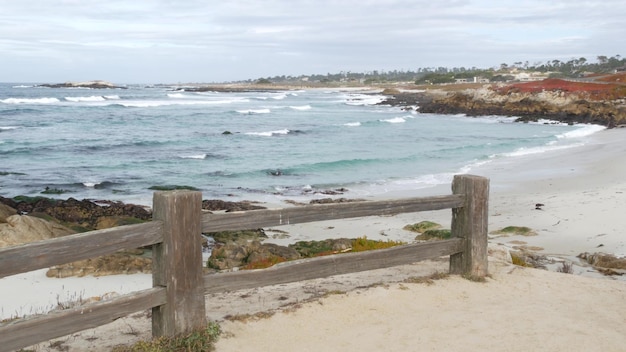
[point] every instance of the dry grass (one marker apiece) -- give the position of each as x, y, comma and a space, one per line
198, 340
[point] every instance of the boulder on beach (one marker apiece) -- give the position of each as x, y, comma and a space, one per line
20, 229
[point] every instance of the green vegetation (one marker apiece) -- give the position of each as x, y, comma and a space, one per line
363, 244
519, 260
515, 231
264, 263
422, 226
199, 340
308, 249
435, 234
263, 81
30, 200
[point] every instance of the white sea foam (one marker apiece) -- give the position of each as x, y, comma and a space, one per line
394, 120
583, 131
279, 97
363, 99
22, 86
352, 124
30, 101
90, 184
6, 128
93, 98
157, 103
112, 97
179, 96
268, 133
254, 111
541, 149
301, 108
197, 156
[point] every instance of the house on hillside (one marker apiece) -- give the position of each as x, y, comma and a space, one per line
530, 76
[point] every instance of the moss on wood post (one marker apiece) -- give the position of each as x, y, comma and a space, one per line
177, 263
470, 223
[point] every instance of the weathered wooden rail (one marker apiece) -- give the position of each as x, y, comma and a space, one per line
177, 298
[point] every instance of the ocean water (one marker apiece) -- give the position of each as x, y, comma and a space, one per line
116, 144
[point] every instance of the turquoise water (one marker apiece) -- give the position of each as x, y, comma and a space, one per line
116, 144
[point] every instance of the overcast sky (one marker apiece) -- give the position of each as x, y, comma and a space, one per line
169, 41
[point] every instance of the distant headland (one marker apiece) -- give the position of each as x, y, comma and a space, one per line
88, 84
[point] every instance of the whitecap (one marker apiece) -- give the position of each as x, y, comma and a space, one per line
197, 156
157, 103
6, 128
93, 98
268, 133
30, 101
178, 95
112, 97
394, 120
90, 184
279, 97
363, 99
301, 108
22, 86
352, 124
254, 111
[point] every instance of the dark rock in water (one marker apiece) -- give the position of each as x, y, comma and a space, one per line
172, 188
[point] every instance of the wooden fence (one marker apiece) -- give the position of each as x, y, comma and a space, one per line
177, 298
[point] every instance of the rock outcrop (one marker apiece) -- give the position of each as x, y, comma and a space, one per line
83, 215
88, 84
558, 100
18, 229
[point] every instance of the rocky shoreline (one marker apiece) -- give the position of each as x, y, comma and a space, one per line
552, 101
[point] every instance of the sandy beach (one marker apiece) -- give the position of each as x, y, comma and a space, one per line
583, 192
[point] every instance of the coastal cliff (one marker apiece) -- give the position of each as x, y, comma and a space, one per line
551, 99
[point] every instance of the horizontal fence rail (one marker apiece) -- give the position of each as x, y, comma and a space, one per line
337, 264
177, 297
321, 212
67, 249
30, 331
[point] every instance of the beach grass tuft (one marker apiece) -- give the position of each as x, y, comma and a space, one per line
361, 244
198, 340
428, 280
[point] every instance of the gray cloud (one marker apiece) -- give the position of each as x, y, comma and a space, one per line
204, 41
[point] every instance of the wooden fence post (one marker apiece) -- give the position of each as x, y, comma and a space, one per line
177, 263
470, 223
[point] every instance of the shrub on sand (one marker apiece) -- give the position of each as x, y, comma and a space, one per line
422, 226
435, 234
515, 231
